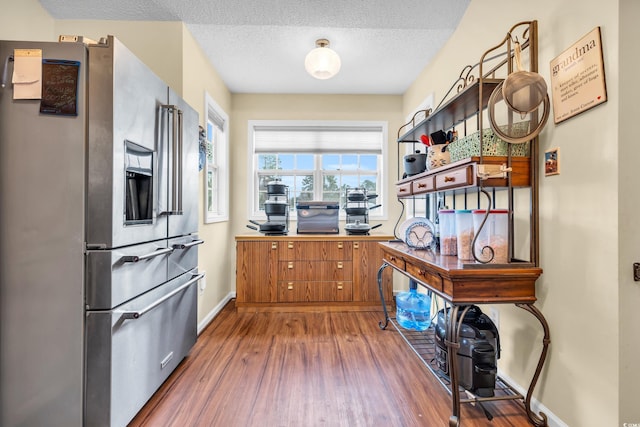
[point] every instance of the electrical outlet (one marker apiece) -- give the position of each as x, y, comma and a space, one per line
494, 314
203, 284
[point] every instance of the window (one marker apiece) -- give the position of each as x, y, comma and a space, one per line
317, 160
217, 159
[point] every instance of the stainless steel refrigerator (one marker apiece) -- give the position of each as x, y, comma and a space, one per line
98, 233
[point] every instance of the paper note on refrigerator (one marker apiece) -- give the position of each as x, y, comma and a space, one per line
27, 74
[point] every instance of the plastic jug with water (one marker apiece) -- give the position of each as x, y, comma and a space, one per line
413, 309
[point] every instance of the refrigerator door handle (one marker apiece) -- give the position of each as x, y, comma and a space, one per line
178, 164
188, 245
5, 70
136, 258
132, 315
176, 161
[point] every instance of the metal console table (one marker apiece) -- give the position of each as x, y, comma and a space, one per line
461, 287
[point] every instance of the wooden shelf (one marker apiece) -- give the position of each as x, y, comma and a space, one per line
464, 174
459, 108
449, 278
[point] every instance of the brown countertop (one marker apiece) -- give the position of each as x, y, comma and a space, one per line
314, 237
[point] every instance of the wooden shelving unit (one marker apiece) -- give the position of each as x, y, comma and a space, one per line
461, 284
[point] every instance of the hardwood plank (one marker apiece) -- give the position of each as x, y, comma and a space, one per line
307, 369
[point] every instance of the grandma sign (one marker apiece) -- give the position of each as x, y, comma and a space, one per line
577, 77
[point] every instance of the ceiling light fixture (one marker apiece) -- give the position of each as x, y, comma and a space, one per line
322, 62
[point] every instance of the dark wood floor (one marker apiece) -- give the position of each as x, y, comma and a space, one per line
329, 369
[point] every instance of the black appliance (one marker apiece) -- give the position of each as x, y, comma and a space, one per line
478, 354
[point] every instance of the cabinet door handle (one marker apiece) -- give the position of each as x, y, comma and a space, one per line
290, 245
449, 178
339, 286
339, 245
422, 272
274, 245
290, 286
290, 265
339, 265
356, 245
392, 258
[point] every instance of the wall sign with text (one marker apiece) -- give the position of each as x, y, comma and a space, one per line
577, 77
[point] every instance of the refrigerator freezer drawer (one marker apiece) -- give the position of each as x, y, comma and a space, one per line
132, 350
118, 275
184, 256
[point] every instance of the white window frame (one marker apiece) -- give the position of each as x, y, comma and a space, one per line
253, 210
220, 168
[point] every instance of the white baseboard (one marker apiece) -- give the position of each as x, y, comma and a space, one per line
214, 312
536, 406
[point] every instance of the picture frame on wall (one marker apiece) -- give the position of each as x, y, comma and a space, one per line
577, 77
552, 161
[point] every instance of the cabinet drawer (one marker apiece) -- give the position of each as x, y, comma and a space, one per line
455, 178
424, 275
403, 190
423, 185
315, 270
315, 291
394, 260
315, 251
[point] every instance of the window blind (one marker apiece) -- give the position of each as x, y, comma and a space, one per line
318, 139
215, 118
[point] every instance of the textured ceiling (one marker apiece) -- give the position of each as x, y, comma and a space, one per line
258, 46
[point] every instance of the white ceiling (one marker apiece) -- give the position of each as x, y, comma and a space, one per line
259, 46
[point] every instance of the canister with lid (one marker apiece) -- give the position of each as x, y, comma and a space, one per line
464, 234
448, 238
494, 234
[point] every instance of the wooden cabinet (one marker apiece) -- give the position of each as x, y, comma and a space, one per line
256, 266
366, 262
309, 272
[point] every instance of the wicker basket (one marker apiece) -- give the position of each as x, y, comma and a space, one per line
492, 145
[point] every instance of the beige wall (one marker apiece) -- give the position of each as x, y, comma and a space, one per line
628, 208
214, 258
157, 44
578, 291
308, 107
25, 20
